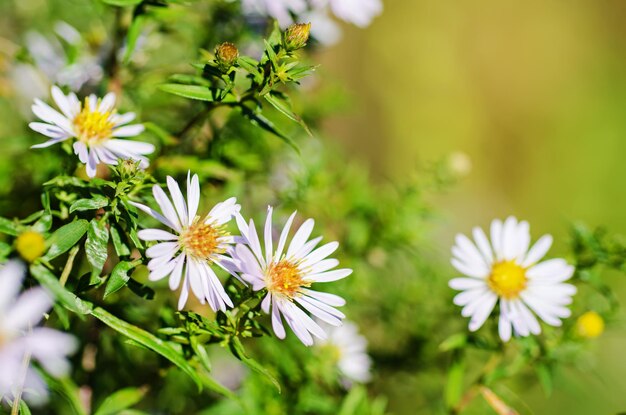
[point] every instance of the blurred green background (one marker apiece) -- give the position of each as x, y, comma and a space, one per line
534, 93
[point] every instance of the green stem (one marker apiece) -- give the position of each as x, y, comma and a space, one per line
68, 265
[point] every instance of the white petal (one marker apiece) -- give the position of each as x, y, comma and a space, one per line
156, 235
538, 251
320, 253
474, 272
179, 201
496, 238
465, 283
329, 276
63, 103
166, 206
162, 249
28, 310
156, 215
128, 130
550, 271
268, 236
193, 195
283, 236
509, 238
483, 311
177, 272
300, 238
483, 244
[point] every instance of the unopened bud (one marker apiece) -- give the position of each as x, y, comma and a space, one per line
296, 36
30, 245
226, 55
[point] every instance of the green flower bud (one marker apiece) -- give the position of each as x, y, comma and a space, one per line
296, 36
226, 55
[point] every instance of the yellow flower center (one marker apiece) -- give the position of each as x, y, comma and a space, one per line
285, 278
202, 240
30, 245
93, 126
590, 325
507, 279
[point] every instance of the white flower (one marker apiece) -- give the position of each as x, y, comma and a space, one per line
349, 349
508, 271
195, 244
357, 12
280, 10
288, 275
94, 124
21, 342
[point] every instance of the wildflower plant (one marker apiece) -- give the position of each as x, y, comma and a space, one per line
153, 238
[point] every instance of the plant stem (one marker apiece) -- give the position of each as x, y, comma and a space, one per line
68, 265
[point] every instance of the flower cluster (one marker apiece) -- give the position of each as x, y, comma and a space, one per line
287, 271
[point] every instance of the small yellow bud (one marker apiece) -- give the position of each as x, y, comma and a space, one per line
226, 55
30, 245
590, 325
296, 36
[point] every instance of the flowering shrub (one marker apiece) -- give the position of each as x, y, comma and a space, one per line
134, 276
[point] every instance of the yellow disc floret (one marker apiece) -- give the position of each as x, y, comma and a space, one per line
590, 325
93, 126
202, 240
507, 279
30, 245
285, 278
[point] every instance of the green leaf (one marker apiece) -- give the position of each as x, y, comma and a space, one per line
52, 284
134, 31
238, 350
122, 399
119, 277
5, 250
122, 3
121, 249
97, 202
64, 238
454, 384
96, 245
351, 403
186, 79
161, 347
43, 224
285, 108
456, 341
267, 125
201, 93
544, 374
24, 409
9, 227
201, 353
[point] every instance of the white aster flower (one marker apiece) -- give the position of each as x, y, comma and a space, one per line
349, 349
505, 269
195, 244
357, 12
95, 125
288, 275
281, 10
21, 342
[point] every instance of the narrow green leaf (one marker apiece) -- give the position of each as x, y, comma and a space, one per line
121, 249
96, 245
9, 227
24, 409
201, 353
134, 31
197, 92
161, 347
52, 284
454, 384
238, 350
64, 238
186, 79
97, 202
352, 401
122, 399
122, 3
43, 224
545, 378
285, 108
119, 277
267, 125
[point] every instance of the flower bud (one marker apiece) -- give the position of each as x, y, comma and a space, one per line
30, 245
590, 325
296, 36
226, 55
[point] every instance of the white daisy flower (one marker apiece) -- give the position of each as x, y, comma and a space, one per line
195, 244
288, 275
96, 127
349, 349
505, 269
21, 342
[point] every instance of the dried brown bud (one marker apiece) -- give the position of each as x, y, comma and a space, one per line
296, 36
226, 55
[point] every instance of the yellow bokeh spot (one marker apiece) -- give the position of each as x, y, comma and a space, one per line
30, 245
507, 279
590, 325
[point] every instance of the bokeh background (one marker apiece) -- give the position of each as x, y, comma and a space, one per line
527, 100
534, 93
